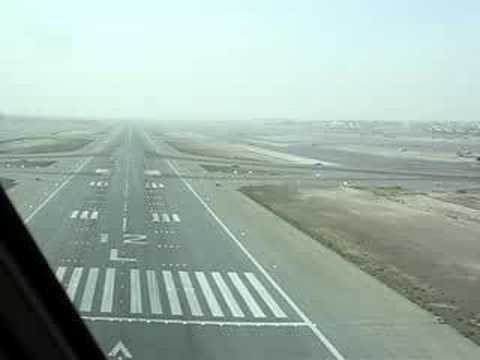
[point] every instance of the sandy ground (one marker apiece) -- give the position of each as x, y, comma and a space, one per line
426, 246
32, 145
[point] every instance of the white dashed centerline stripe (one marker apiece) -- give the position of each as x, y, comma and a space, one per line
227, 295
60, 273
89, 292
74, 214
165, 218
153, 293
154, 186
73, 283
209, 296
94, 215
175, 217
246, 296
155, 217
172, 295
313, 327
84, 215
260, 289
56, 191
190, 294
108, 289
135, 292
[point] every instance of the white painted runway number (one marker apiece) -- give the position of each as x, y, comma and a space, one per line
136, 239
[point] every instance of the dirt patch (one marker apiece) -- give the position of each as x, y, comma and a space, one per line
219, 151
236, 170
27, 164
44, 144
408, 241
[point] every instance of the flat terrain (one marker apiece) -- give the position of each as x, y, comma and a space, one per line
424, 247
165, 256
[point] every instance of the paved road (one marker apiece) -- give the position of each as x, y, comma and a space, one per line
171, 267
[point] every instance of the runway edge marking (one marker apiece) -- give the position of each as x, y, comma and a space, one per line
57, 190
324, 340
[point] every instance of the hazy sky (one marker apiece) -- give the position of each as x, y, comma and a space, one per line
342, 59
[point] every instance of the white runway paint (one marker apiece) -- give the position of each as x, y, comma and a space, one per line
247, 296
172, 294
124, 224
254, 324
212, 302
320, 336
175, 218
114, 257
89, 292
57, 190
165, 218
135, 292
260, 289
94, 215
153, 172
190, 294
108, 289
73, 283
103, 238
190, 290
84, 215
74, 214
155, 217
60, 273
153, 292
227, 295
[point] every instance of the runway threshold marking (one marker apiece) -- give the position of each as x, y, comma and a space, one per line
89, 292
196, 322
320, 336
246, 295
212, 302
227, 295
172, 294
192, 299
108, 289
